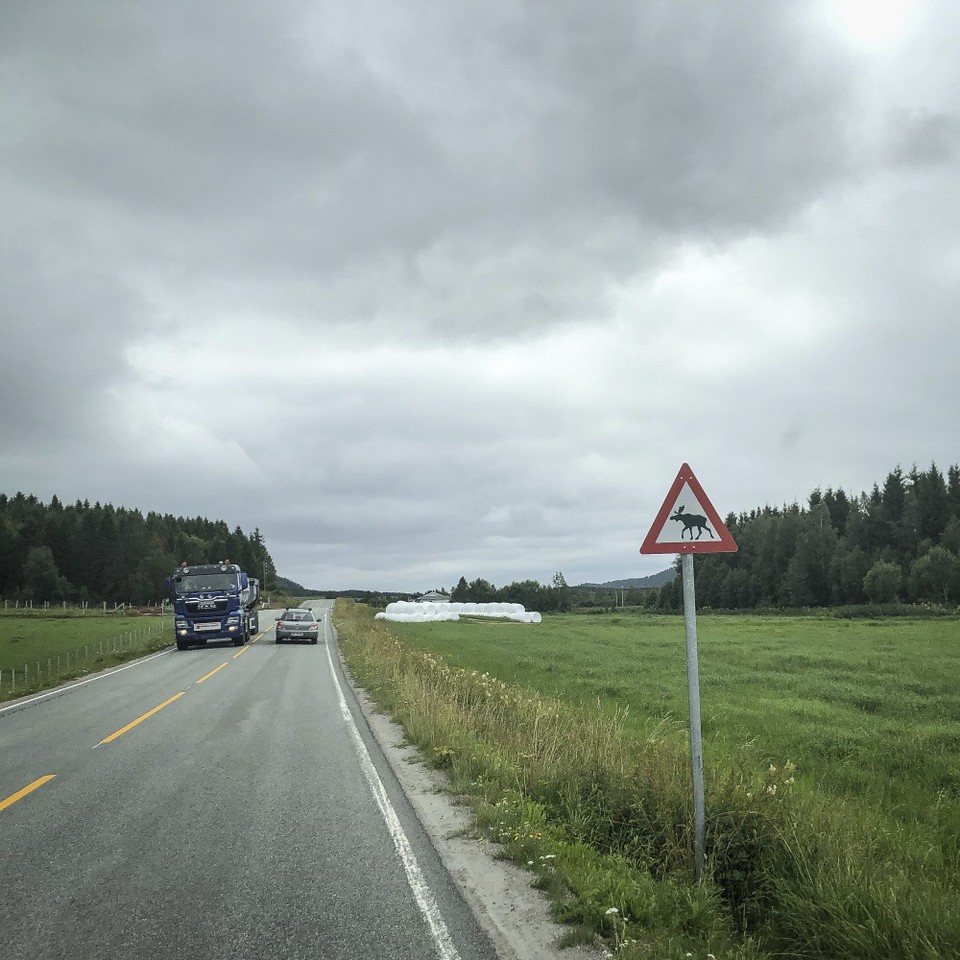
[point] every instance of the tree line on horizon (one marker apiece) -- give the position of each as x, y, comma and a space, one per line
533, 595
898, 543
101, 553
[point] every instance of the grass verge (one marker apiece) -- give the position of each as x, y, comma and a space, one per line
596, 804
42, 650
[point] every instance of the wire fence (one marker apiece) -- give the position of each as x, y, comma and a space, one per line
83, 606
70, 664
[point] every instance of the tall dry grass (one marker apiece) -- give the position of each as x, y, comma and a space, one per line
612, 812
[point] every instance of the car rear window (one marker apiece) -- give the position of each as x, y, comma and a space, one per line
298, 615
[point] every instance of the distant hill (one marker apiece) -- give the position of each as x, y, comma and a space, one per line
293, 589
655, 580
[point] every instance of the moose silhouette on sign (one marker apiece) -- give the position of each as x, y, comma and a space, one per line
691, 521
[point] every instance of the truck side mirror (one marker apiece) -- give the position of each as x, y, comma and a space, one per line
169, 590
244, 582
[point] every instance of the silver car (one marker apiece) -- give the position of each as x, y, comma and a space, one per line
298, 624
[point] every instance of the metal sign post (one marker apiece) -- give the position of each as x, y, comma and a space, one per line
685, 498
693, 696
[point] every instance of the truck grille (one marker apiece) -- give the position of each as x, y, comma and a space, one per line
207, 605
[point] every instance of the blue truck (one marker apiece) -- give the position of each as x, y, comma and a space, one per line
213, 601
250, 598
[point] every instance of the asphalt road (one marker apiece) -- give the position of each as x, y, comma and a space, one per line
250, 816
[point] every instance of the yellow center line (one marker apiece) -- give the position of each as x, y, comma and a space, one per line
131, 725
212, 672
20, 794
237, 654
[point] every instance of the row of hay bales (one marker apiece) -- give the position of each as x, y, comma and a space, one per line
406, 611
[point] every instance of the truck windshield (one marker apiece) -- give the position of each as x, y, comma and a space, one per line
206, 582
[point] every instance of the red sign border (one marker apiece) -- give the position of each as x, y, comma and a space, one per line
725, 542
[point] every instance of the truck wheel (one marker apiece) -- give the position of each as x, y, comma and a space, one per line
182, 644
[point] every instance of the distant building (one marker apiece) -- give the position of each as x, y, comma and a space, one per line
433, 596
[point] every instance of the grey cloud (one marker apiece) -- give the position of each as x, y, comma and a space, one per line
236, 127
222, 147
498, 268
64, 322
924, 138
721, 117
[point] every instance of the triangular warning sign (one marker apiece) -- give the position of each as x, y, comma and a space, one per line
687, 521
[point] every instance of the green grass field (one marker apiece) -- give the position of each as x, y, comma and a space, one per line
42, 649
867, 710
579, 723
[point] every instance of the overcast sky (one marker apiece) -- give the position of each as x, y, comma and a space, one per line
437, 288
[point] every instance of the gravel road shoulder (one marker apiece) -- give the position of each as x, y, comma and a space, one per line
515, 916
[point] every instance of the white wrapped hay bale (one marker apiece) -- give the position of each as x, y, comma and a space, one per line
416, 616
405, 611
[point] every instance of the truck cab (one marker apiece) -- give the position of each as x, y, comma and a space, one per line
209, 604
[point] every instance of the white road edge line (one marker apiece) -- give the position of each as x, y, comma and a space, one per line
415, 878
72, 686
